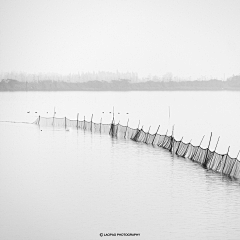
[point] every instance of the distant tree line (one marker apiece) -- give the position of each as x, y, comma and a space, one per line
79, 77
232, 83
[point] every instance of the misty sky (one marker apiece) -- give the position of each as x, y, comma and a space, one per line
186, 37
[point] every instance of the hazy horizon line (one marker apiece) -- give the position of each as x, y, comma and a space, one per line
105, 75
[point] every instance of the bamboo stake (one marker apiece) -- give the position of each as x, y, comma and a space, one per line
126, 129
77, 120
140, 133
238, 154
138, 124
53, 115
147, 135
201, 141
113, 112
137, 133
172, 130
164, 138
187, 148
206, 159
216, 144
225, 159
209, 162
198, 147
112, 125
209, 141
91, 122
179, 145
172, 141
234, 163
117, 129
155, 135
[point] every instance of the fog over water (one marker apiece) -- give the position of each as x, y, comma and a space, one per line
57, 184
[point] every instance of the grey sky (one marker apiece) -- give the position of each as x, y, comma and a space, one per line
185, 37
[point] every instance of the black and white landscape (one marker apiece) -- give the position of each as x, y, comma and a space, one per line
71, 72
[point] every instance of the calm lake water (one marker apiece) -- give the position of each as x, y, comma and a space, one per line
57, 184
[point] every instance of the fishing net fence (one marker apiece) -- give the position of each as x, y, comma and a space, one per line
210, 160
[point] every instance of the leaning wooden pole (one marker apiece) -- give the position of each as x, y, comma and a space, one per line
198, 148
206, 160
179, 145
238, 154
155, 135
209, 141
209, 162
201, 140
236, 159
216, 145
225, 160
134, 138
164, 137
186, 151
147, 135
140, 133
